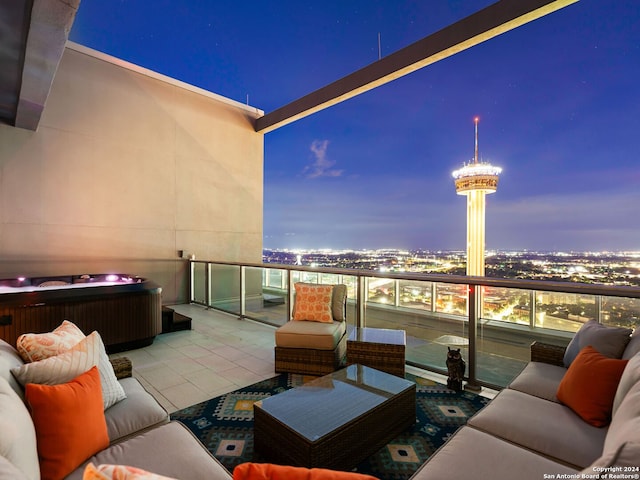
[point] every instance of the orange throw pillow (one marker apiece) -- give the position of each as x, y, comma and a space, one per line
268, 471
69, 421
313, 302
589, 386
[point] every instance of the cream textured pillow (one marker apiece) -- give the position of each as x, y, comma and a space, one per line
313, 302
62, 368
38, 346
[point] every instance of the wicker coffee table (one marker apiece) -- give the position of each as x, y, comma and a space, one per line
335, 421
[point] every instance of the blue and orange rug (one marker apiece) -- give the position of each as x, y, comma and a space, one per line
225, 425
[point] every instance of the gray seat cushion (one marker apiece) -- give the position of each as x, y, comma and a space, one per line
313, 335
539, 379
9, 358
17, 433
471, 453
170, 450
609, 341
138, 412
547, 427
8, 471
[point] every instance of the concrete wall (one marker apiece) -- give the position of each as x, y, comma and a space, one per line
126, 169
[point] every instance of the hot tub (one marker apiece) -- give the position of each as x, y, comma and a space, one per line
125, 310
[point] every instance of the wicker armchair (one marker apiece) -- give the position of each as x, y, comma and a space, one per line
314, 348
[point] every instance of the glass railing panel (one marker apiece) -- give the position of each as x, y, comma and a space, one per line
307, 277
620, 311
351, 281
507, 305
225, 287
381, 291
275, 278
564, 311
199, 287
428, 336
416, 294
267, 304
451, 299
329, 278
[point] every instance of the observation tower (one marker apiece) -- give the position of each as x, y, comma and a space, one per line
475, 180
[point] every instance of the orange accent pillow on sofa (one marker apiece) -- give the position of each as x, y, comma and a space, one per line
268, 471
69, 421
589, 386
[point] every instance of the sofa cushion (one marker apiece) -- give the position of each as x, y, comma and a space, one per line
471, 453
590, 384
8, 471
38, 346
625, 425
65, 366
69, 422
136, 413
10, 359
633, 347
609, 341
321, 336
626, 455
541, 426
187, 458
119, 472
539, 379
17, 433
630, 377
313, 302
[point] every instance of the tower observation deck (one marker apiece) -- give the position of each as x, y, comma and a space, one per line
475, 180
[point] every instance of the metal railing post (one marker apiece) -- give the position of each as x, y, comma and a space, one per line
207, 285
360, 301
474, 309
243, 292
289, 295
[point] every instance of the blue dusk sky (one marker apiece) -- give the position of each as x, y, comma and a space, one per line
558, 101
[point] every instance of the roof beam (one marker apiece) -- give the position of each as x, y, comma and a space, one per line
483, 25
51, 21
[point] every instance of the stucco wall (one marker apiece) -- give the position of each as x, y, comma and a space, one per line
124, 171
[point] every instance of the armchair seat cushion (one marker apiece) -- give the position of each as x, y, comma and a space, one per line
310, 335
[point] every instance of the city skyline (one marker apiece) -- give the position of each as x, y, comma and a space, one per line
556, 98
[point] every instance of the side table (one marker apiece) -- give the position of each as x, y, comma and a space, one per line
379, 348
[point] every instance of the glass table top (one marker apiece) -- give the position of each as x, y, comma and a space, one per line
325, 404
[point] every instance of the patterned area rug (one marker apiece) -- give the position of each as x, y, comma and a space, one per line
225, 425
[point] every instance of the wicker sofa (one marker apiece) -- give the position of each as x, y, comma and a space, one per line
525, 432
139, 431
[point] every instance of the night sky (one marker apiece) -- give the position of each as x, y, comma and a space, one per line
558, 101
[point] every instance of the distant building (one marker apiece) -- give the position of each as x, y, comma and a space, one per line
475, 180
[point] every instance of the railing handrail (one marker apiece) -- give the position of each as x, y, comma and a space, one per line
517, 283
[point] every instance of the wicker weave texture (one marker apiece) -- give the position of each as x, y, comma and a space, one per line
385, 357
344, 447
547, 353
121, 367
308, 361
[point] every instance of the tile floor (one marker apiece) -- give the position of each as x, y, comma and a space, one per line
219, 354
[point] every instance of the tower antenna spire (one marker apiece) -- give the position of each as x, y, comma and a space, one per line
475, 157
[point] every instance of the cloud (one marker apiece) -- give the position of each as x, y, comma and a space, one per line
321, 166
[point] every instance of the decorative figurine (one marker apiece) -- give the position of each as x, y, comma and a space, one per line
456, 368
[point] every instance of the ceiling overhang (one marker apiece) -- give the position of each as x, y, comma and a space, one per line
483, 25
36, 32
